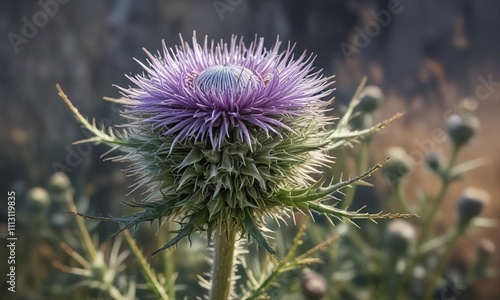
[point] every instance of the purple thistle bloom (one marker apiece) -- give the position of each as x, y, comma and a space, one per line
206, 91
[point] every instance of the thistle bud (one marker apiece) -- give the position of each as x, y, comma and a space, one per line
59, 183
34, 212
37, 200
361, 122
370, 98
400, 236
435, 162
313, 285
461, 128
398, 167
470, 205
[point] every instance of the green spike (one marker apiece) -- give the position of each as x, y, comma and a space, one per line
187, 230
194, 156
254, 232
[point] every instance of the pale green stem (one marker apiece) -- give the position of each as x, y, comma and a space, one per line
436, 205
266, 282
223, 263
401, 197
443, 262
168, 262
392, 276
157, 288
430, 218
435, 243
87, 240
362, 166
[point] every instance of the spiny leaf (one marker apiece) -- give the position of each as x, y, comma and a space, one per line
313, 193
187, 230
100, 135
254, 232
343, 137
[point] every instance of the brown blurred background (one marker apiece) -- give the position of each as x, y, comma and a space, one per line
426, 55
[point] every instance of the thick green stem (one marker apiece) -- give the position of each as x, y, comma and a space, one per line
82, 227
146, 269
436, 205
168, 262
441, 267
393, 277
361, 167
401, 197
430, 219
223, 263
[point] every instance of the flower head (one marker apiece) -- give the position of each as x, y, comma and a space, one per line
400, 236
222, 135
462, 127
215, 93
371, 98
399, 167
470, 204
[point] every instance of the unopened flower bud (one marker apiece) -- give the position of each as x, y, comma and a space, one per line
370, 98
400, 235
34, 212
313, 285
37, 200
435, 162
398, 167
471, 204
59, 183
461, 128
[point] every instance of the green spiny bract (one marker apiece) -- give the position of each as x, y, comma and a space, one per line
203, 186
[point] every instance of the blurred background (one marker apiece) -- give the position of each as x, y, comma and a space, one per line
426, 55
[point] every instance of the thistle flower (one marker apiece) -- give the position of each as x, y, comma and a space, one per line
461, 128
470, 204
59, 183
35, 209
371, 98
222, 135
37, 200
435, 162
400, 237
398, 167
59, 187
